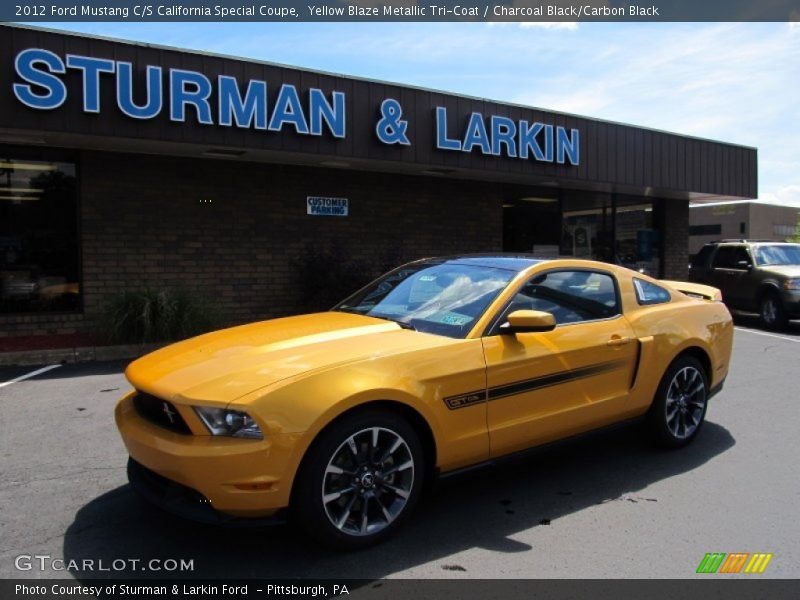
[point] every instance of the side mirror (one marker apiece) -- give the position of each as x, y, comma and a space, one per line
744, 264
528, 321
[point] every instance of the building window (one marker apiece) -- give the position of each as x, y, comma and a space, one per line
784, 231
742, 227
38, 236
705, 229
612, 228
637, 240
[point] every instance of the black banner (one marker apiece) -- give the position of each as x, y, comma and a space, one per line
431, 589
33, 11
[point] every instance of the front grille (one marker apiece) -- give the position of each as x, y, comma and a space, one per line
161, 412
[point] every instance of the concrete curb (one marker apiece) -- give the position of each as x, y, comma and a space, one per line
76, 355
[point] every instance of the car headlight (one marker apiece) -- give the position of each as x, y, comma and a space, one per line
791, 284
234, 423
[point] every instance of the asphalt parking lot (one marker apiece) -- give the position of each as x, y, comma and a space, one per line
608, 505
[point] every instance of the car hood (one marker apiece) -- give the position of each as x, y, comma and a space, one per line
225, 365
782, 270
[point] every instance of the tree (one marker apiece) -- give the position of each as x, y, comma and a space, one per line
796, 236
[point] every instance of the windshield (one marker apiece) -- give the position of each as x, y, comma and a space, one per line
785, 254
444, 299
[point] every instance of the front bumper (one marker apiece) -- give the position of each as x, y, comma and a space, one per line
791, 303
231, 476
185, 502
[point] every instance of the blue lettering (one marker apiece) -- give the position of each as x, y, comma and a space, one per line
125, 92
527, 140
476, 135
252, 109
91, 67
180, 95
334, 116
288, 110
548, 143
503, 132
442, 141
569, 145
55, 91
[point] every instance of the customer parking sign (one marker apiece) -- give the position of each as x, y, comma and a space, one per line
326, 207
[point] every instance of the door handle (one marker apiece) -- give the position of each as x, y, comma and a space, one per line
618, 341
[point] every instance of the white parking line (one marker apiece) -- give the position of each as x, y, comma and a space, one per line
772, 335
29, 375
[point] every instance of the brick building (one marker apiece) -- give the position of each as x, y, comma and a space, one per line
124, 165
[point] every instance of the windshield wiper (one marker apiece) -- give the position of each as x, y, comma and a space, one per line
402, 324
347, 309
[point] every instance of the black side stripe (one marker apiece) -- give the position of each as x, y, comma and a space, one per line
527, 385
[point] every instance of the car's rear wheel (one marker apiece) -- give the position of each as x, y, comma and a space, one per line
361, 478
679, 408
773, 315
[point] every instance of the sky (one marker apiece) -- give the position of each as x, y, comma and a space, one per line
735, 82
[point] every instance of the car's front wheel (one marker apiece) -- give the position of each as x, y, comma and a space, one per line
773, 315
361, 478
679, 408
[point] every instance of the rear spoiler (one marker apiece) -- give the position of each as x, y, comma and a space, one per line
696, 290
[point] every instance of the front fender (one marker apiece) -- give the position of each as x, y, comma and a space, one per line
420, 380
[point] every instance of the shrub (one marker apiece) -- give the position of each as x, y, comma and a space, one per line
157, 315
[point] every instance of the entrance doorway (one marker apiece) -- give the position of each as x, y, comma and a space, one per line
614, 228
531, 225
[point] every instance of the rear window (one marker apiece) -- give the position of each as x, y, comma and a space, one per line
650, 293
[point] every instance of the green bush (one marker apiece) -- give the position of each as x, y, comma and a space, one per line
157, 315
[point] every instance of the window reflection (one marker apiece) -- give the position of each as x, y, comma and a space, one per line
38, 236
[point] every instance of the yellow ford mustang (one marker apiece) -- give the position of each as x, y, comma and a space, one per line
341, 417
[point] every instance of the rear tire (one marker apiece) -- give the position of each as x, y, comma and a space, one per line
772, 312
679, 407
359, 480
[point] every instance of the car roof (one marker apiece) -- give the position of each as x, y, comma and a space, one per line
507, 261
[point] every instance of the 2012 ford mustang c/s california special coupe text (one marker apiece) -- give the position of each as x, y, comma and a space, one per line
339, 418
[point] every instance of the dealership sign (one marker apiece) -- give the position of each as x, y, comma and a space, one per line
327, 207
185, 95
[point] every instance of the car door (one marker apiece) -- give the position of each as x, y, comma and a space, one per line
729, 274
543, 386
700, 265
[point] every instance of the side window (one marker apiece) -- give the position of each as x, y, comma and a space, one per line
650, 293
741, 255
570, 296
724, 257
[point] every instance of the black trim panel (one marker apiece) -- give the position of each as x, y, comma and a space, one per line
637, 365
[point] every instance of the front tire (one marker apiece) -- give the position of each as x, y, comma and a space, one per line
772, 312
679, 408
360, 479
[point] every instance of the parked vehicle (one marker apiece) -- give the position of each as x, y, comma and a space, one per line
340, 418
756, 276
